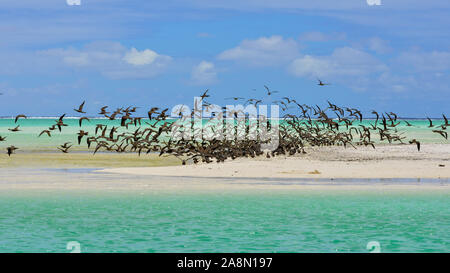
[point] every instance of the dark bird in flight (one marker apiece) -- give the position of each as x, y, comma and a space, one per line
103, 110
99, 127
60, 122
431, 122
45, 132
80, 108
407, 123
81, 134
64, 148
10, 150
61, 117
65, 145
204, 95
446, 121
444, 134
83, 118
2, 138
414, 141
152, 111
15, 129
268, 91
234, 98
19, 116
322, 83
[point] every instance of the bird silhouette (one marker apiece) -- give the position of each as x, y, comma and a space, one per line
19, 116
10, 150
414, 141
80, 108
16, 129
45, 132
322, 83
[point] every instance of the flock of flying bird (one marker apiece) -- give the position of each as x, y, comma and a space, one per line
311, 126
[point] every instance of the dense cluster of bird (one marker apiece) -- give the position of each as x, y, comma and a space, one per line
301, 126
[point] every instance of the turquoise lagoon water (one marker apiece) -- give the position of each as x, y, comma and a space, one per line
216, 221
28, 139
248, 221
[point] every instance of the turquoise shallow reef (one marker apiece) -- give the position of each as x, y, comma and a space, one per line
27, 139
36, 220
275, 221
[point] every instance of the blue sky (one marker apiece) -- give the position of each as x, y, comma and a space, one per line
392, 57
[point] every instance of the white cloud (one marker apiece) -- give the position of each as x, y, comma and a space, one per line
144, 57
81, 59
317, 36
345, 61
410, 72
378, 45
264, 51
434, 61
204, 73
110, 59
397, 83
311, 66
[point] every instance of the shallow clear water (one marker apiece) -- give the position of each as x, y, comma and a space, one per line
228, 221
249, 221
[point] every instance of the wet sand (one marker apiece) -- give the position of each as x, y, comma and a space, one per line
41, 181
399, 167
83, 160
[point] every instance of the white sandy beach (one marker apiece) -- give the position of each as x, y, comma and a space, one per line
350, 167
396, 161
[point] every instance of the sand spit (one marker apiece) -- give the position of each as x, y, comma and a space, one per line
396, 161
